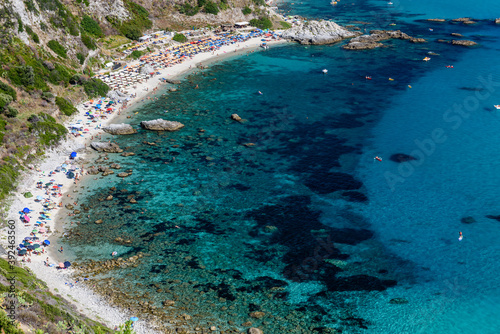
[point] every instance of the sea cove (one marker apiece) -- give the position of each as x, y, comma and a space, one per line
283, 220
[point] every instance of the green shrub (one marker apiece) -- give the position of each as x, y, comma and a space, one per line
285, 25
260, 2
35, 37
6, 324
130, 31
47, 96
43, 26
95, 88
6, 89
80, 57
136, 54
189, 10
48, 131
180, 38
10, 112
22, 75
211, 7
65, 106
20, 27
75, 80
88, 42
57, 48
91, 26
246, 10
262, 23
5, 100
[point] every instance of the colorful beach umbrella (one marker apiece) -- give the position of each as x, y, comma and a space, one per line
46, 242
67, 264
134, 319
22, 252
27, 218
26, 210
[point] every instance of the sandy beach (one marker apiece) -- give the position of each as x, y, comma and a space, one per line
61, 281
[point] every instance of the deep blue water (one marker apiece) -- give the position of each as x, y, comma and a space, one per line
305, 225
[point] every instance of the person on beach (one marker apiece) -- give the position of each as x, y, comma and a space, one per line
61, 249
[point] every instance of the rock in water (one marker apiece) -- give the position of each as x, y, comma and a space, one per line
318, 32
401, 157
254, 330
497, 21
366, 42
161, 125
106, 147
236, 117
173, 81
119, 129
463, 42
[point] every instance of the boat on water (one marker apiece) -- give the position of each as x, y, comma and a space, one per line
325, 71
497, 106
263, 45
426, 59
333, 3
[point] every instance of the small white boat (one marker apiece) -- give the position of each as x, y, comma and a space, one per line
390, 3
497, 106
325, 71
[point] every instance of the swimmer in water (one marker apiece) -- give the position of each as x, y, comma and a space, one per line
260, 92
460, 236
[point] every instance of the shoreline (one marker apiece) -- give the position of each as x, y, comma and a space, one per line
61, 281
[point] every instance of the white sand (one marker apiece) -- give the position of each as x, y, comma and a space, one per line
59, 281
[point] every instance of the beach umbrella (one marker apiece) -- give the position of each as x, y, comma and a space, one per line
36, 246
28, 195
73, 155
42, 230
30, 247
26, 244
22, 252
35, 231
67, 264
134, 319
27, 218
35, 238
46, 242
26, 210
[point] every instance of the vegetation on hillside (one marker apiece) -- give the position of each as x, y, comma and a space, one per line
40, 310
262, 23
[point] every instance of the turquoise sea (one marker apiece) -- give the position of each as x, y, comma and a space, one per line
303, 224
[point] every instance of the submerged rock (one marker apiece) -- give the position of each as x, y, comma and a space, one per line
106, 147
127, 154
162, 125
119, 129
401, 157
398, 301
318, 32
436, 20
467, 220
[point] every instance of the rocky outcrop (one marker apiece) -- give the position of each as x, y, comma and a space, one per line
461, 19
371, 41
237, 118
162, 125
318, 32
436, 20
456, 34
418, 40
173, 81
106, 147
254, 330
463, 42
116, 95
497, 21
147, 69
119, 129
